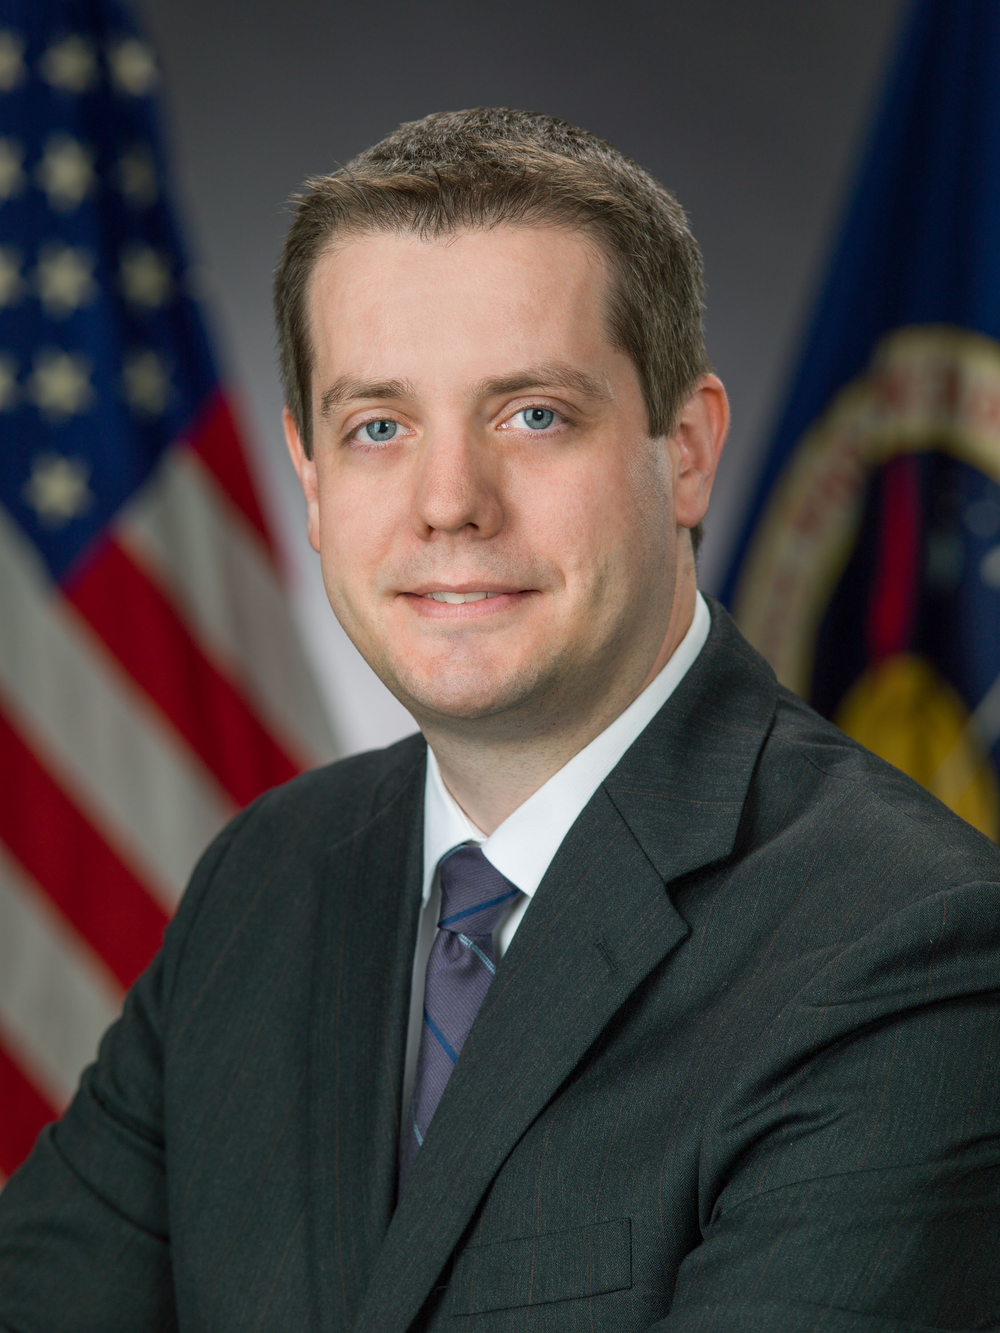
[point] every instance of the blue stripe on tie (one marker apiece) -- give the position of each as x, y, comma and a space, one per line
470, 944
443, 1041
479, 907
416, 1130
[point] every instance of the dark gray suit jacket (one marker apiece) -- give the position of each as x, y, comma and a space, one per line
739, 1069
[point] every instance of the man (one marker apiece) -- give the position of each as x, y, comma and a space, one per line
631, 995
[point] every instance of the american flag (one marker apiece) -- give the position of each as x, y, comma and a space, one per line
150, 684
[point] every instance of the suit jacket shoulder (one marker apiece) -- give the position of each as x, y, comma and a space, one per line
868, 803
334, 802
195, 1126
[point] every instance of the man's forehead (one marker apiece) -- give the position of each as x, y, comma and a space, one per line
378, 261
520, 306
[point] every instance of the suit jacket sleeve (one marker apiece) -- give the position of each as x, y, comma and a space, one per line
83, 1224
852, 1180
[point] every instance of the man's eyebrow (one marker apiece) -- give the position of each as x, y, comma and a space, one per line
556, 375
348, 389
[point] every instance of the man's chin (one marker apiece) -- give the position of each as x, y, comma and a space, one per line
466, 697
460, 705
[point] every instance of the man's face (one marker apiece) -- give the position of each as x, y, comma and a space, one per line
498, 532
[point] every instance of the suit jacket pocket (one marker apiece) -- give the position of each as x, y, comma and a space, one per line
533, 1270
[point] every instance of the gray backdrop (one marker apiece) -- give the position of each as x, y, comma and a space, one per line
752, 111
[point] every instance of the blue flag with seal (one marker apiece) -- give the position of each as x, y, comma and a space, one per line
868, 571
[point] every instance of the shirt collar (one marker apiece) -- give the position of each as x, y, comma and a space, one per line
522, 847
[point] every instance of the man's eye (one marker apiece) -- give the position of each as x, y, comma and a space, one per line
535, 418
378, 431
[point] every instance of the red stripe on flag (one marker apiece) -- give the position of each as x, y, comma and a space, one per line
897, 575
83, 876
215, 440
148, 637
24, 1112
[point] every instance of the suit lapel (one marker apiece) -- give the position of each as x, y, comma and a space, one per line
571, 965
369, 906
683, 785
600, 921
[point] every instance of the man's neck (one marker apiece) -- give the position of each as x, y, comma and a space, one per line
490, 777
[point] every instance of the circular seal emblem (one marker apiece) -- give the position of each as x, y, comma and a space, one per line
872, 585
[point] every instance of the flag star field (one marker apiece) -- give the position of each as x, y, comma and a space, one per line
92, 280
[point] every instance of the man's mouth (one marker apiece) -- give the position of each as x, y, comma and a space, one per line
456, 597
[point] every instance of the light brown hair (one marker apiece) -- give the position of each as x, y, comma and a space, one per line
475, 169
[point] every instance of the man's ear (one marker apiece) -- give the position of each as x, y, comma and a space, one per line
698, 438
305, 469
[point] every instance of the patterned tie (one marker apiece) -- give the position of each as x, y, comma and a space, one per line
474, 898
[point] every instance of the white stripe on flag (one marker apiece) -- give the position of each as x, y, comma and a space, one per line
123, 765
188, 536
56, 1000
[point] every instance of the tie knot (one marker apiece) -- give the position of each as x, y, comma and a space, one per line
474, 894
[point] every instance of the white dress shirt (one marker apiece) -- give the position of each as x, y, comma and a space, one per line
522, 847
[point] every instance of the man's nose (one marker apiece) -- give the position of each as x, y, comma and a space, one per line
457, 485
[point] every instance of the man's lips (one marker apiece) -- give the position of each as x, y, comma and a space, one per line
465, 600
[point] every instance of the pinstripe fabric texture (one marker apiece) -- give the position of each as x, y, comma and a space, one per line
738, 1071
475, 897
